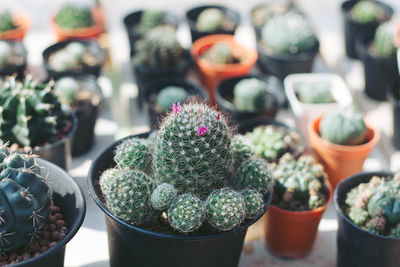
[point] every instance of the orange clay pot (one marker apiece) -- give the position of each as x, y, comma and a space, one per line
86, 33
211, 73
340, 161
291, 234
23, 20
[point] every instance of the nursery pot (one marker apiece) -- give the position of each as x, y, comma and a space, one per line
356, 246
192, 14
131, 245
340, 161
17, 69
23, 22
394, 98
354, 31
93, 69
291, 234
225, 99
283, 65
211, 73
69, 197
153, 89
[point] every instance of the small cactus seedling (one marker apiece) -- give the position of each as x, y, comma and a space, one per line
170, 95
384, 40
253, 201
162, 196
314, 92
242, 148
366, 11
107, 177
251, 95
220, 53
72, 16
149, 19
6, 21
67, 90
134, 153
254, 173
210, 20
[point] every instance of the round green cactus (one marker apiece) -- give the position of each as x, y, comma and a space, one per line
241, 147
170, 95
251, 95
6, 21
384, 40
192, 150
225, 209
67, 90
314, 92
288, 33
134, 153
366, 11
220, 53
72, 16
254, 173
107, 177
162, 196
253, 201
344, 126
186, 213
210, 20
149, 19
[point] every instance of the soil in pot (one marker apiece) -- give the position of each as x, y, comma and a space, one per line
394, 98
12, 58
212, 19
14, 26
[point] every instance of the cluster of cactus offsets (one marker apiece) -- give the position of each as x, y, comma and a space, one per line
73, 16
31, 114
6, 21
25, 200
384, 40
289, 33
170, 95
67, 90
134, 153
366, 11
253, 201
210, 19
220, 53
162, 196
159, 48
149, 19
375, 206
254, 173
251, 95
299, 184
242, 149
314, 92
344, 126
107, 178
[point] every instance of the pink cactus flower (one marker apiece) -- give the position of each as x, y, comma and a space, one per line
202, 130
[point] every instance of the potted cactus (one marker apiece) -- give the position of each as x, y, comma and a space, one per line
343, 141
191, 189
12, 58
13, 25
73, 57
212, 19
32, 119
288, 45
360, 20
84, 96
301, 196
367, 206
250, 96
77, 21
37, 218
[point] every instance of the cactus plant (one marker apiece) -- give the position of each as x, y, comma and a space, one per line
210, 20
162, 196
225, 209
299, 184
383, 44
186, 213
134, 153
107, 177
374, 205
344, 126
251, 95
170, 95
254, 173
149, 19
366, 11
242, 148
253, 201
11, 54
67, 90
73, 16
6, 21
262, 14
317, 92
31, 114
220, 53
288, 33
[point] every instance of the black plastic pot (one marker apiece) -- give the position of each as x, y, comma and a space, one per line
354, 31
93, 70
130, 245
69, 197
282, 65
224, 98
17, 69
394, 98
132, 19
192, 14
356, 246
153, 88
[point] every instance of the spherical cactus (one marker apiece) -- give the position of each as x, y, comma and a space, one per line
162, 196
128, 197
220, 53
251, 95
67, 90
134, 153
76, 51
315, 92
107, 177
366, 11
149, 19
210, 19
253, 173
186, 213
384, 40
225, 209
253, 201
241, 147
170, 95
192, 150
344, 126
289, 33
62, 61
73, 16
6, 21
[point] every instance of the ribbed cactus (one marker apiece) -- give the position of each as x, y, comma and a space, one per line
253, 201
251, 95
225, 209
66, 89
299, 184
107, 177
162, 196
317, 92
254, 173
384, 40
6, 21
149, 19
288, 33
74, 16
343, 126
375, 206
186, 213
210, 20
31, 114
170, 95
220, 53
134, 153
366, 11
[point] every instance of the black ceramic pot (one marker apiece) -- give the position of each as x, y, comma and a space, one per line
192, 14
131, 245
394, 98
354, 31
17, 69
224, 98
356, 246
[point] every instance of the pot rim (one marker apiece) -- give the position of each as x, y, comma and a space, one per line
24, 22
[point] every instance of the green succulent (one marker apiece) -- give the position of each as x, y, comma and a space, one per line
67, 90
384, 40
251, 95
108, 177
220, 53
170, 95
366, 11
254, 173
210, 20
314, 92
253, 201
73, 16
6, 21
149, 19
135, 154
163, 196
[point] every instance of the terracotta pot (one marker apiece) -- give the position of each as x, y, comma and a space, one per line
211, 73
23, 20
291, 234
87, 33
340, 161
